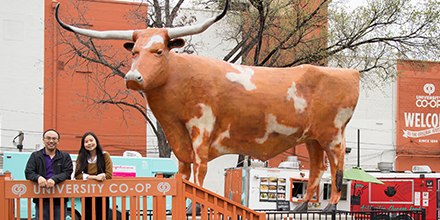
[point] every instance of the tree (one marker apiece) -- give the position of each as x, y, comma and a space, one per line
109, 64
291, 33
279, 33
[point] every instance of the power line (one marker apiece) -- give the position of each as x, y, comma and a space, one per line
66, 116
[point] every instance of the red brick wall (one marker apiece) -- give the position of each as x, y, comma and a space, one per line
63, 110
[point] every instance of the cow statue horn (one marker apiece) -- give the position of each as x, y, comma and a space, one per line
185, 31
128, 35
116, 35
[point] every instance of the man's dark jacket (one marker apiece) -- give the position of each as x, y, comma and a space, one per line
36, 167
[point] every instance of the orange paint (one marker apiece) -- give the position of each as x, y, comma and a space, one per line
195, 132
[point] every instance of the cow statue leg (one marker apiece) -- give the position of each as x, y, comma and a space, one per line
317, 168
181, 146
185, 170
200, 128
200, 163
200, 170
336, 160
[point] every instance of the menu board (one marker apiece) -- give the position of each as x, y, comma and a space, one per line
272, 189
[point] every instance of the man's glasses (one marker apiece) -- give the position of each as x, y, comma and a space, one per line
51, 138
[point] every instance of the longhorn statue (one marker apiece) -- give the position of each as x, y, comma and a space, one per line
208, 107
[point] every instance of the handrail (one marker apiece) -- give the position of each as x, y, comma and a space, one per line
215, 205
138, 195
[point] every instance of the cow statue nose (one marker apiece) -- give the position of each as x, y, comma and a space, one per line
134, 75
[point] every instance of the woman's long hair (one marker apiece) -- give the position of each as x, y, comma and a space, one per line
84, 154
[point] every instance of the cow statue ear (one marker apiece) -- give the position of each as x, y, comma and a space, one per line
176, 43
129, 46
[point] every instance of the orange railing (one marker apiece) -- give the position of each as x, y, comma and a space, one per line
133, 194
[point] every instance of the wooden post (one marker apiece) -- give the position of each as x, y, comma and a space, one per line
3, 201
159, 207
262, 216
178, 203
10, 202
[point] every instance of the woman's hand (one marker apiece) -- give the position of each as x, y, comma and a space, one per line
97, 177
100, 178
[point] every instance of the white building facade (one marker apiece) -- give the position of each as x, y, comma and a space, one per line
21, 80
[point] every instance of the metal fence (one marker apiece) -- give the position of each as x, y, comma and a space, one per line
334, 215
346, 215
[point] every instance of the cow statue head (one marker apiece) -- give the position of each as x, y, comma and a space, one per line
151, 46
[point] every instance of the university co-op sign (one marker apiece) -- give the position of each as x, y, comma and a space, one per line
426, 117
424, 101
71, 188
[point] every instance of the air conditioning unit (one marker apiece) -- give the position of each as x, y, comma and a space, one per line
291, 163
421, 169
131, 154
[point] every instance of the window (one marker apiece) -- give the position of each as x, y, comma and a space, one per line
299, 190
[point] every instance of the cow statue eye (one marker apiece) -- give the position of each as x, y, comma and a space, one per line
159, 52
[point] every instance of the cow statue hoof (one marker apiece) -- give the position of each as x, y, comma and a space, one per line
330, 207
302, 207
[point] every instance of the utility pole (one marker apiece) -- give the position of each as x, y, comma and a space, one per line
359, 148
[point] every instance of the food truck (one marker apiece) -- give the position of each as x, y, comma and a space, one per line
408, 190
283, 188
123, 166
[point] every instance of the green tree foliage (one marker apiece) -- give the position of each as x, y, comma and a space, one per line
370, 37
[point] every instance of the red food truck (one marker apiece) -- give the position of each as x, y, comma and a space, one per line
409, 190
